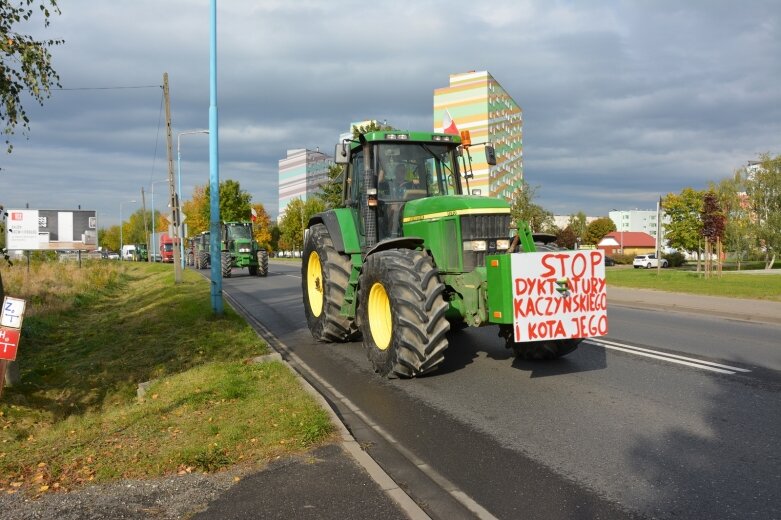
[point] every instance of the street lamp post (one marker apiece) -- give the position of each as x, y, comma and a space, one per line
152, 249
179, 185
121, 243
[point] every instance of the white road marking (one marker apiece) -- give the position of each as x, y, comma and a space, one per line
670, 358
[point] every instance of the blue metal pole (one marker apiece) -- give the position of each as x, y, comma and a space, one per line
152, 252
179, 196
214, 170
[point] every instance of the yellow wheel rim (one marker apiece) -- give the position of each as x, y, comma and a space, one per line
380, 319
314, 284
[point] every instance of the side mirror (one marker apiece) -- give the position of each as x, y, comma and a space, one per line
342, 153
490, 155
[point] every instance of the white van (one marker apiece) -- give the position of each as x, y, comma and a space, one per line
128, 252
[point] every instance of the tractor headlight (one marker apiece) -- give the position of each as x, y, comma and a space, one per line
502, 245
244, 250
475, 245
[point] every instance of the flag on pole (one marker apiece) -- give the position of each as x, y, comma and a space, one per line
448, 125
254, 214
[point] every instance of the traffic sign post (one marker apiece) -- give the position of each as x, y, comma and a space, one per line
11, 315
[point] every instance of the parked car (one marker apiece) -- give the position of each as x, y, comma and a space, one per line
609, 261
648, 261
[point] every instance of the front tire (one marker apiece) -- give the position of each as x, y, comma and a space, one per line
225, 259
402, 313
262, 262
205, 258
325, 274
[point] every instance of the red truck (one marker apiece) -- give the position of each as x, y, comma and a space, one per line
166, 248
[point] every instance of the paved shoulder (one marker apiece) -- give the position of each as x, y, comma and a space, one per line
323, 484
760, 311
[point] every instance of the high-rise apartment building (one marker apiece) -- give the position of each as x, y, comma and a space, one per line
301, 174
477, 102
636, 220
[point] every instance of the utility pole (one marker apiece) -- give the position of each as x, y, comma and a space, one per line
146, 229
171, 186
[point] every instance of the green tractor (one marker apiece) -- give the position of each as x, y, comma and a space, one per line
410, 257
140, 253
201, 258
239, 249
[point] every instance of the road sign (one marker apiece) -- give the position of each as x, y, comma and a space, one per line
12, 313
9, 343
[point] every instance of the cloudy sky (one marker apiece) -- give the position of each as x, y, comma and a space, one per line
622, 101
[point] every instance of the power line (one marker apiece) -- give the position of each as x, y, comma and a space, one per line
110, 88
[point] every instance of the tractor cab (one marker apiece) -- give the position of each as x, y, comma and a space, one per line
385, 170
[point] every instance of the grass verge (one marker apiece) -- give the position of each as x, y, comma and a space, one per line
730, 284
92, 334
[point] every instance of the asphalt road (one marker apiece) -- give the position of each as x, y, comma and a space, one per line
671, 416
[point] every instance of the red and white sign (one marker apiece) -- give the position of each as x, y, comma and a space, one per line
9, 343
559, 295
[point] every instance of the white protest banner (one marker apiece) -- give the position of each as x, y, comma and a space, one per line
559, 295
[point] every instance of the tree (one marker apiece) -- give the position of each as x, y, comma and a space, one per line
108, 238
331, 191
578, 224
763, 187
738, 231
291, 227
712, 228
261, 227
373, 126
26, 66
234, 203
567, 237
597, 230
683, 232
523, 208
197, 211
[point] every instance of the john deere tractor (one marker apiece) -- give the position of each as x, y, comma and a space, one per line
239, 249
410, 256
201, 245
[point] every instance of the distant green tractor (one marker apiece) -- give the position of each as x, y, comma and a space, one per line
239, 249
140, 253
202, 260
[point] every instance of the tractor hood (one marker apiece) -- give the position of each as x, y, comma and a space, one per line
452, 205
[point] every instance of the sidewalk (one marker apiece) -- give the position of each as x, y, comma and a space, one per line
759, 311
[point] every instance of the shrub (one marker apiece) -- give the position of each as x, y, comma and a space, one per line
675, 259
622, 259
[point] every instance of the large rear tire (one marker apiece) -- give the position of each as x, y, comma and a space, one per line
262, 262
225, 260
402, 313
325, 274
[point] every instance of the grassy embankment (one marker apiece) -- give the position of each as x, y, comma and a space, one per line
731, 284
91, 335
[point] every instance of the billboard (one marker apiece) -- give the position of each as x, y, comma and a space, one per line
52, 229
